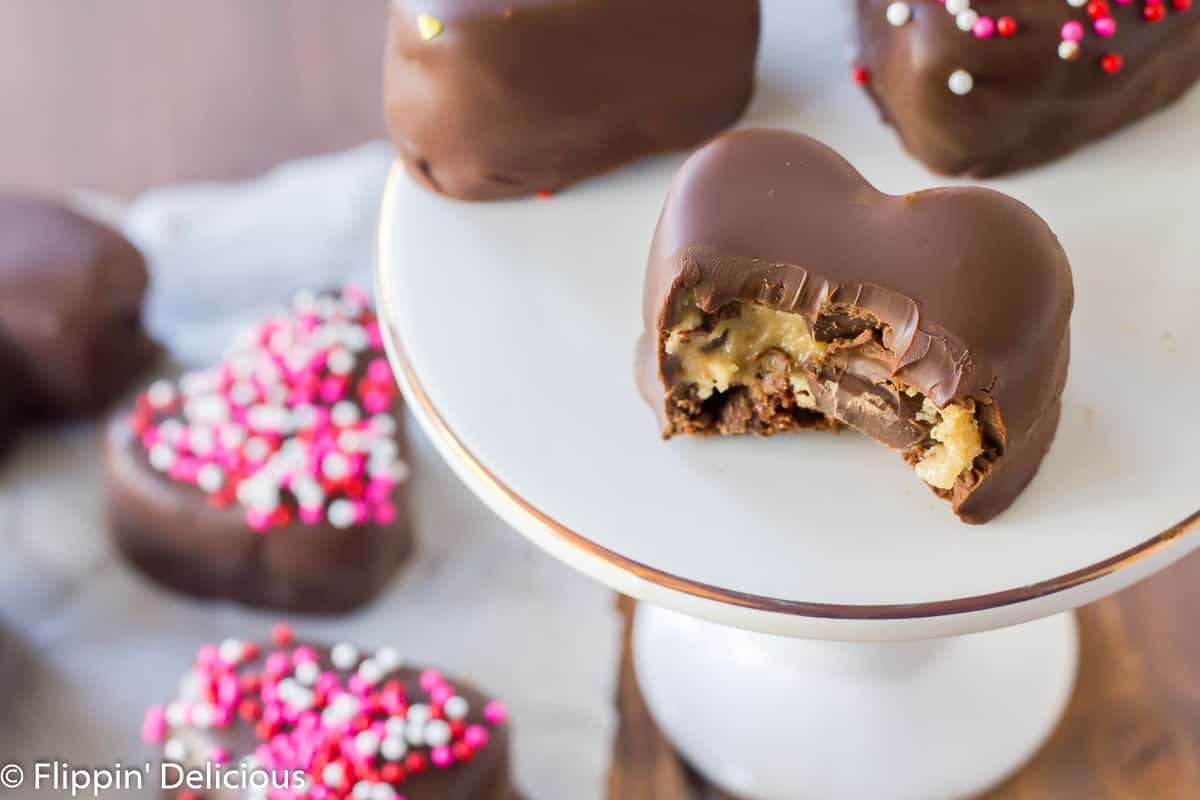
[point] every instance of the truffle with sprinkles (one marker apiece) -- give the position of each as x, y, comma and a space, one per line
1006, 84
290, 720
277, 477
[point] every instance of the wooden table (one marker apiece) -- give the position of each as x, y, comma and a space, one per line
121, 95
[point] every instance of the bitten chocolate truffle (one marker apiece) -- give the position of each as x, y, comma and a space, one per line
70, 309
276, 478
300, 720
498, 98
784, 293
983, 88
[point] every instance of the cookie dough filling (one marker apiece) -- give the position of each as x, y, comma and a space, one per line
752, 369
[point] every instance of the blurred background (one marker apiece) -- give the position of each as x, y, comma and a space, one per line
122, 95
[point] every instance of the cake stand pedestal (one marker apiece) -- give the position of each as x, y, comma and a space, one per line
806, 636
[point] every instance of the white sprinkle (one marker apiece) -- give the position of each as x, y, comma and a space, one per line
383, 791
395, 727
172, 430
419, 713
1077, 3
394, 748
1068, 50
344, 656
335, 466
304, 416
366, 743
344, 414
355, 338
341, 513
206, 409
414, 732
308, 492
175, 750
210, 478
340, 361
176, 714
388, 658
202, 715
304, 301
271, 418
383, 424
899, 14
199, 382
456, 707
256, 448
232, 436
961, 82
956, 7
162, 456
231, 651
437, 733
201, 439
307, 672
243, 393
333, 775
362, 791
370, 672
965, 20
161, 393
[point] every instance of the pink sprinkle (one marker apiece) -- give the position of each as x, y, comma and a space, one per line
151, 437
332, 390
495, 712
1072, 32
218, 755
208, 655
385, 514
375, 401
431, 679
984, 27
441, 757
373, 336
355, 295
259, 521
311, 515
438, 695
378, 490
154, 725
277, 664
379, 371
302, 654
222, 717
1106, 26
476, 736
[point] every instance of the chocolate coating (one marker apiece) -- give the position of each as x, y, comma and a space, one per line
172, 534
512, 98
488, 776
70, 308
1028, 105
969, 291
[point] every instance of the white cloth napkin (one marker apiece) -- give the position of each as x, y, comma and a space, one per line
98, 643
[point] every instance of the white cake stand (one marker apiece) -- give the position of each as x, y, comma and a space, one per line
801, 637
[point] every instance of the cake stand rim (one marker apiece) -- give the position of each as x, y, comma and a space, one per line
934, 609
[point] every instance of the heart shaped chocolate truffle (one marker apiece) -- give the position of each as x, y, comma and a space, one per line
499, 98
275, 478
983, 88
785, 293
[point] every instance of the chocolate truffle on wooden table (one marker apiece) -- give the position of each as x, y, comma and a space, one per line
276, 478
498, 98
784, 293
983, 87
290, 720
70, 309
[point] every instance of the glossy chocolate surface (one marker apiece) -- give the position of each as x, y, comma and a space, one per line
70, 309
488, 99
970, 291
1028, 105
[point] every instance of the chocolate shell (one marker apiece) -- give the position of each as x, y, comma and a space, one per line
365, 703
958, 298
70, 308
277, 479
1041, 82
498, 98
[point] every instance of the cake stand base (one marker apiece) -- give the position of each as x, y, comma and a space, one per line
772, 718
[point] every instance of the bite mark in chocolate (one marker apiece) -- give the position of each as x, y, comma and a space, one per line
784, 293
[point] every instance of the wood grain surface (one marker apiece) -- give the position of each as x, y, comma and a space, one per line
121, 95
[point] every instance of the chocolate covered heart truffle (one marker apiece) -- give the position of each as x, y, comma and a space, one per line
70, 312
499, 98
276, 478
784, 293
981, 87
291, 720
